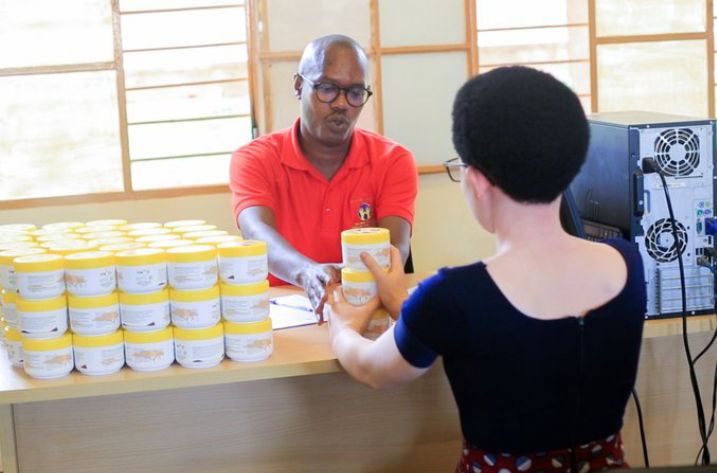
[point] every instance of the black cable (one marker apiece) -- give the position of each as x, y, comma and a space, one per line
690, 362
642, 428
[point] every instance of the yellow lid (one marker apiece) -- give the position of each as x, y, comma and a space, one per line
186, 254
244, 289
21, 227
90, 341
148, 231
139, 226
147, 298
117, 247
92, 302
40, 305
8, 297
351, 275
10, 237
198, 333
7, 256
170, 243
12, 334
242, 248
149, 337
67, 247
247, 328
39, 262
216, 240
89, 259
194, 228
206, 233
11, 245
47, 344
140, 256
104, 235
184, 223
95, 229
113, 222
47, 237
365, 236
158, 237
193, 295
61, 226
100, 242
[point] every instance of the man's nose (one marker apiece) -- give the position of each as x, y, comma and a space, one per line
340, 101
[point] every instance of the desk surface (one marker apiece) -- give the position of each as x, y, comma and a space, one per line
297, 352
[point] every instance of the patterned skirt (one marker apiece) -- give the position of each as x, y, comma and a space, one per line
600, 455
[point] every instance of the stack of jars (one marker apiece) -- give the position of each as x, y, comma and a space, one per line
358, 282
243, 269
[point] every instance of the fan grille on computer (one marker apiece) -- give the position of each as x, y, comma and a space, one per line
677, 151
660, 240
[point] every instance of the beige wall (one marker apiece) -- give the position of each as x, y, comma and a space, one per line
445, 233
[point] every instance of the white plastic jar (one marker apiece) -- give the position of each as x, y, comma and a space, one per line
122, 246
144, 312
142, 232
196, 308
7, 270
13, 345
216, 240
42, 318
68, 247
245, 302
192, 267
243, 262
149, 351
130, 227
141, 270
166, 244
199, 347
39, 276
379, 323
94, 315
206, 233
374, 241
90, 273
17, 227
62, 226
175, 224
358, 286
147, 239
205, 227
112, 222
249, 342
97, 355
9, 309
48, 358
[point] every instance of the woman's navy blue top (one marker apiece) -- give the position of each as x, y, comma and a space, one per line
525, 385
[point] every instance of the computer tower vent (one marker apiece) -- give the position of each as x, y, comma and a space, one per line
660, 240
677, 151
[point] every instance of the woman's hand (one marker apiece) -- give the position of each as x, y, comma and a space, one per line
391, 283
347, 316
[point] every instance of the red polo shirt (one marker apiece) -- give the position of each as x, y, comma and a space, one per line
378, 179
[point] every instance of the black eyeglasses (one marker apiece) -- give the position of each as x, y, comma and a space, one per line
454, 168
356, 95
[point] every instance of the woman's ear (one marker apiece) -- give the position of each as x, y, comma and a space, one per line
477, 181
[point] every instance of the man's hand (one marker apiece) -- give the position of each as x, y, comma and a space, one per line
391, 284
314, 278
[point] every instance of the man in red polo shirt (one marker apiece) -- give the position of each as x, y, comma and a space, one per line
298, 188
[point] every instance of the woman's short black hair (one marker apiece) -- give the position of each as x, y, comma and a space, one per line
523, 129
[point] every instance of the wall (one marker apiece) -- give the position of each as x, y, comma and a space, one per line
445, 232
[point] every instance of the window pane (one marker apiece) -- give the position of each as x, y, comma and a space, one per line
194, 171
183, 28
292, 24
618, 17
520, 13
533, 45
60, 135
665, 76
188, 138
196, 101
574, 75
417, 25
48, 32
144, 5
180, 66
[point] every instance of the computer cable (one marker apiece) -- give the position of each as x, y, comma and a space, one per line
649, 166
645, 457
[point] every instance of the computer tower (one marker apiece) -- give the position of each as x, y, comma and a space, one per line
615, 198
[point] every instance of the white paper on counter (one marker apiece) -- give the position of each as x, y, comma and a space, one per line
291, 311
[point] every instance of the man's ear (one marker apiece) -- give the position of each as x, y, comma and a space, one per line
298, 82
479, 184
